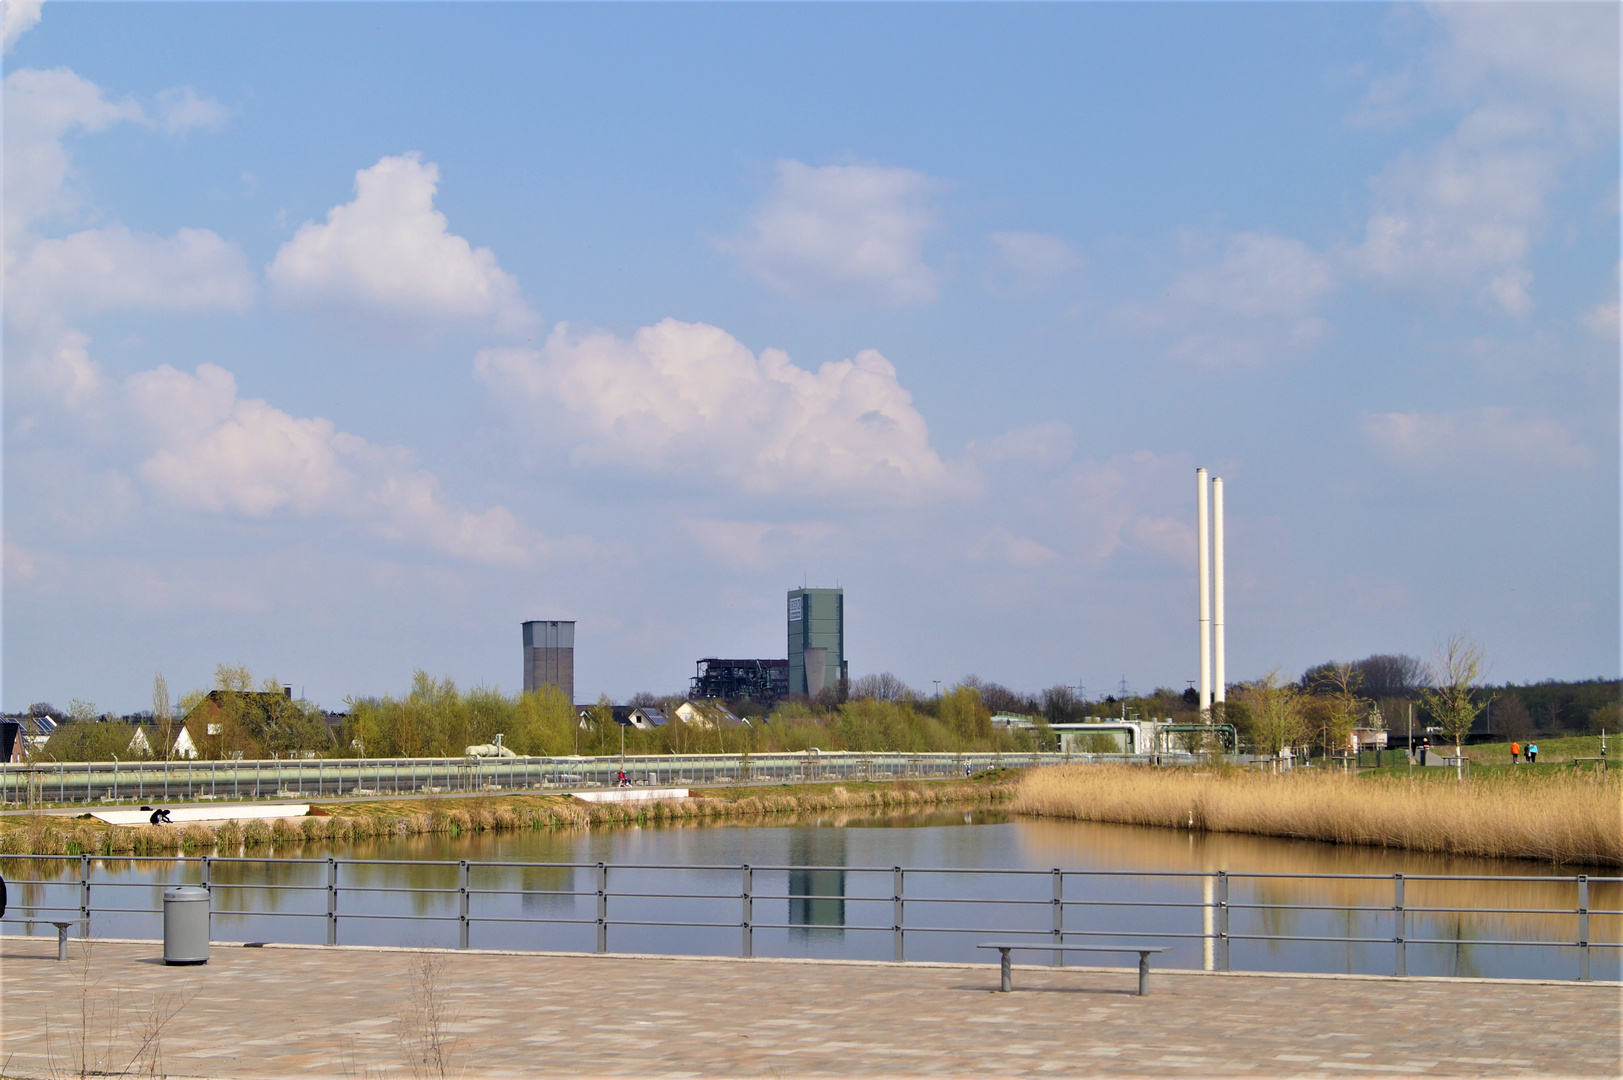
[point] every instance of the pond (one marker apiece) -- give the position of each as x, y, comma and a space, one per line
824, 886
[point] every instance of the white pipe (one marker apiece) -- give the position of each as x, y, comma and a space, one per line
1203, 575
1219, 679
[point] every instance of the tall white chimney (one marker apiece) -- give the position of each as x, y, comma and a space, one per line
1203, 576
1219, 677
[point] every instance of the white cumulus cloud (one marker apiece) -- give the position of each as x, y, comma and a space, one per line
40, 108
215, 451
388, 259
21, 17
1492, 436
1464, 213
117, 267
1564, 54
690, 399
1049, 443
843, 234
1539, 87
1027, 262
1256, 300
181, 108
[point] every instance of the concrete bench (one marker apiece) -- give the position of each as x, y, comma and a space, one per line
1143, 952
61, 931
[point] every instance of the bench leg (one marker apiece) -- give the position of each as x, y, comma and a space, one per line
1008, 977
1143, 974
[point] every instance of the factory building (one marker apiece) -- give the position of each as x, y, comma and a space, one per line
765, 682
549, 656
817, 641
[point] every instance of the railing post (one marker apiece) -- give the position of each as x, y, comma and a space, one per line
84, 895
602, 907
748, 946
332, 901
462, 905
1059, 915
1400, 927
1222, 920
1583, 927
897, 913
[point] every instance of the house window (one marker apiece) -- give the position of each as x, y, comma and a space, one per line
215, 729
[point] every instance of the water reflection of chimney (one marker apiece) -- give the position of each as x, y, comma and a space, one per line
816, 889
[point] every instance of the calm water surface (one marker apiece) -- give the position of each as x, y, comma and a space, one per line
828, 878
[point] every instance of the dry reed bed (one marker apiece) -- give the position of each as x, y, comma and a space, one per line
1572, 819
53, 835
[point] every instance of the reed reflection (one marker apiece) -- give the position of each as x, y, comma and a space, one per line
1460, 912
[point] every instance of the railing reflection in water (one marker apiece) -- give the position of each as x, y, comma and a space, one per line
1396, 924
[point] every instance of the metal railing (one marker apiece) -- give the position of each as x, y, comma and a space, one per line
904, 903
80, 781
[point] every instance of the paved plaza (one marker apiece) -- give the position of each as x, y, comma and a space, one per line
283, 1011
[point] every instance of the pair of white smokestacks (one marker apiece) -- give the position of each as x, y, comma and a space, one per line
1209, 525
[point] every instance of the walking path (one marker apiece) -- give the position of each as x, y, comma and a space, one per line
304, 1011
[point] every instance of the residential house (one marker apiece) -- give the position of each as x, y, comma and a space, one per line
32, 732
708, 715
621, 713
647, 718
228, 722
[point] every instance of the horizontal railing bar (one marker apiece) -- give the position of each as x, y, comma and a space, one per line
341, 916
1128, 903
1492, 911
505, 919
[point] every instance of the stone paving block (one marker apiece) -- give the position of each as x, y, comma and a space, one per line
273, 1013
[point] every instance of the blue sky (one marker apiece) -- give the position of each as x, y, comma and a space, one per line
342, 338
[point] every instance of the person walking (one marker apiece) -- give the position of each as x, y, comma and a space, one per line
1532, 753
1515, 752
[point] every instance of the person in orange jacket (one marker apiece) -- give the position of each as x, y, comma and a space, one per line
1515, 752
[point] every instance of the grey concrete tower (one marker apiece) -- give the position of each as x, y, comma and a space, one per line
549, 656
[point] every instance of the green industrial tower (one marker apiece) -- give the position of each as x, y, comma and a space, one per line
817, 641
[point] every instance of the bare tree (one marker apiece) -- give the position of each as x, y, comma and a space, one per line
881, 687
233, 677
163, 720
1061, 705
1391, 674
1512, 720
1337, 686
1456, 673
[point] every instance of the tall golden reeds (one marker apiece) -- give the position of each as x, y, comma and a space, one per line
1571, 819
54, 835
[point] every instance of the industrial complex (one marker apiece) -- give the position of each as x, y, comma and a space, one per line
816, 635
816, 657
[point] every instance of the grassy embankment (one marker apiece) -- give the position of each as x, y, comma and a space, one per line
1553, 751
1554, 815
41, 834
